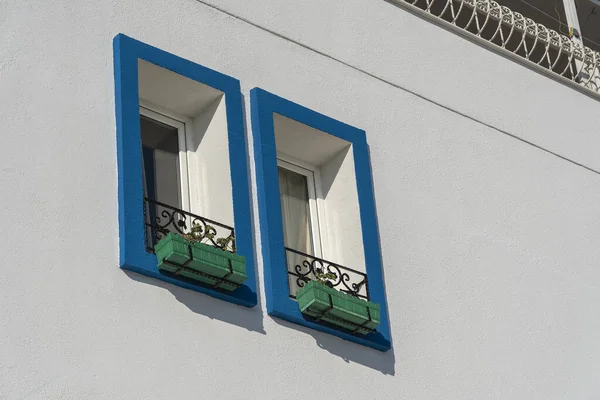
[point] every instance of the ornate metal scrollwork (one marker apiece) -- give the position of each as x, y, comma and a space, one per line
519, 35
333, 275
161, 219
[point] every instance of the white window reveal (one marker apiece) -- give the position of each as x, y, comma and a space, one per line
299, 212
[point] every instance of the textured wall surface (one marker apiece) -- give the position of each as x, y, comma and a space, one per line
486, 188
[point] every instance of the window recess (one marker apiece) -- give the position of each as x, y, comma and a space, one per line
317, 220
180, 140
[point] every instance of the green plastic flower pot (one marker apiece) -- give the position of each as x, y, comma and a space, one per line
206, 263
318, 300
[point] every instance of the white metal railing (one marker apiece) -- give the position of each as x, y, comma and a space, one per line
522, 36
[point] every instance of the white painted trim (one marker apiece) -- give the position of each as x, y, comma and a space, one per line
167, 117
313, 179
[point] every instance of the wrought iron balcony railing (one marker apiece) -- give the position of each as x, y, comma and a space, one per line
161, 218
303, 268
511, 31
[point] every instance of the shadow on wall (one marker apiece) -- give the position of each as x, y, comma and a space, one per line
199, 303
383, 362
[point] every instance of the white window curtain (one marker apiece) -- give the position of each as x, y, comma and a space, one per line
295, 211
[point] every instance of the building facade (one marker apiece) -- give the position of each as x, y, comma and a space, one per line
286, 200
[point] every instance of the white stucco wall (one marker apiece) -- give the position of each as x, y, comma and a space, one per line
490, 244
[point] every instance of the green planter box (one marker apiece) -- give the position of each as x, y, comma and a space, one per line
316, 299
206, 263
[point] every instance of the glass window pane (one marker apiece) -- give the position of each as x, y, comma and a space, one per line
588, 13
161, 162
295, 211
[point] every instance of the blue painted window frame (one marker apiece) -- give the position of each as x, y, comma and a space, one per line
279, 304
133, 254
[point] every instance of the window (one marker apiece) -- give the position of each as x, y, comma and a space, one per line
164, 167
164, 159
182, 163
317, 217
299, 212
300, 223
